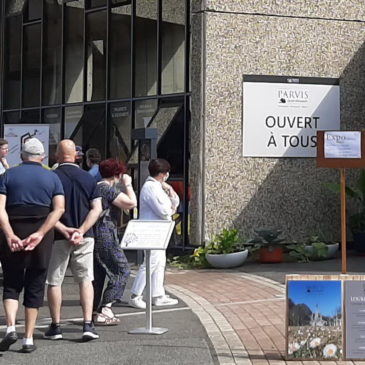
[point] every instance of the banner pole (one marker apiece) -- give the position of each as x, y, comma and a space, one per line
343, 222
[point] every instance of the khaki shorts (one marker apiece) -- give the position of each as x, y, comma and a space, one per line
79, 258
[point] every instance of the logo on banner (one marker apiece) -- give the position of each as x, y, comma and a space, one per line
291, 96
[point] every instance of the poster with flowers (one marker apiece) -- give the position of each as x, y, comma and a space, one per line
314, 319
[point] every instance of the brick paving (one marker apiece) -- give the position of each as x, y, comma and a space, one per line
244, 315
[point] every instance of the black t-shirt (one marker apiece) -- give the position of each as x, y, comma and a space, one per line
80, 190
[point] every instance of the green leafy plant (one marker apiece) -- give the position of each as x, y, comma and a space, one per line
299, 252
266, 238
314, 249
198, 257
357, 193
228, 241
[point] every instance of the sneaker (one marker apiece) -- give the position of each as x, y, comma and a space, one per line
8, 340
54, 332
137, 302
27, 349
164, 300
89, 332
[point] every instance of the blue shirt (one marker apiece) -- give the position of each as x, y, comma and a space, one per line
30, 184
80, 190
94, 171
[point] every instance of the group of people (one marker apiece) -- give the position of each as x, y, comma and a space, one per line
68, 217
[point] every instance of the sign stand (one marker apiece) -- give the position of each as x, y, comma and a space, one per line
147, 236
148, 330
341, 150
343, 222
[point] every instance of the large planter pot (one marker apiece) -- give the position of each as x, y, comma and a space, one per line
228, 260
331, 250
271, 255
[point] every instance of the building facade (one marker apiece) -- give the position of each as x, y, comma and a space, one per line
94, 70
230, 39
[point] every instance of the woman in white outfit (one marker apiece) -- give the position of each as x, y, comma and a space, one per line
158, 201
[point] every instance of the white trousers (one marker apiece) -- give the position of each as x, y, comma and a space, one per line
157, 265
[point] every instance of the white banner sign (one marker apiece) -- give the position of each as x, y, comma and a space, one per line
343, 144
17, 134
281, 119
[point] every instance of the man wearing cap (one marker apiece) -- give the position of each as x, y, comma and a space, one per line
31, 203
74, 245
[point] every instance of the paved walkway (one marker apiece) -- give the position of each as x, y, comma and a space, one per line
243, 313
224, 317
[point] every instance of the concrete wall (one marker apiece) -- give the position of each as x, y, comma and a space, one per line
269, 37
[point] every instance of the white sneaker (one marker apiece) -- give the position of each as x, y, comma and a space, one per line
137, 302
164, 300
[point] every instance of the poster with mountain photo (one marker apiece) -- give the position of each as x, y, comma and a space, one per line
314, 319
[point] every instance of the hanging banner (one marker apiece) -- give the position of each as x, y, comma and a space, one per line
281, 115
17, 134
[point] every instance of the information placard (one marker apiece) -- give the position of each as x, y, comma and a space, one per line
282, 114
343, 144
355, 319
147, 235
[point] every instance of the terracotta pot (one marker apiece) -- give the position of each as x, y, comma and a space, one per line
270, 255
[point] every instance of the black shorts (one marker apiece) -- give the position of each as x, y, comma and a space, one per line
32, 280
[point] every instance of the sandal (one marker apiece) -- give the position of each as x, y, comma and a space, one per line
100, 319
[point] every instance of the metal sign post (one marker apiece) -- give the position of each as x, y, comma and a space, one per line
147, 236
149, 329
343, 222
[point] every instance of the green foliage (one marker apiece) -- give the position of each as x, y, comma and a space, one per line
228, 241
299, 252
314, 249
265, 238
357, 193
198, 257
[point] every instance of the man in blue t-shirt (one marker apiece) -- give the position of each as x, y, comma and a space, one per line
31, 203
74, 241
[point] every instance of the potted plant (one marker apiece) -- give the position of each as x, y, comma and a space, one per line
315, 249
269, 245
226, 250
356, 220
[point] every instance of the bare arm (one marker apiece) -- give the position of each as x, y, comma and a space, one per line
32, 241
126, 201
14, 242
66, 231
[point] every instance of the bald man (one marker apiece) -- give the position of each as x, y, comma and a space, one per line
74, 241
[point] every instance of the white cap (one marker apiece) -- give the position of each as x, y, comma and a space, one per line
33, 146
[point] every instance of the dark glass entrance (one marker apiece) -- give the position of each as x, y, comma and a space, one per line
94, 70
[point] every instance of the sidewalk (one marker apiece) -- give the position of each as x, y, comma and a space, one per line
224, 317
243, 310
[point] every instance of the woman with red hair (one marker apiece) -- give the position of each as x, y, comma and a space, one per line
109, 259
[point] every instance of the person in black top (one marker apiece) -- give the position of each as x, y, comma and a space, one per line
31, 203
74, 241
